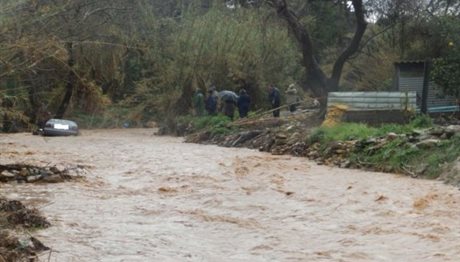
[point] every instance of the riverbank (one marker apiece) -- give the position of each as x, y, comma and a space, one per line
418, 149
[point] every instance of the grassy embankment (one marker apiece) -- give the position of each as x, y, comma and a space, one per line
395, 154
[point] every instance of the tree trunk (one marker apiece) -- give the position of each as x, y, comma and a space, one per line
317, 81
34, 109
71, 79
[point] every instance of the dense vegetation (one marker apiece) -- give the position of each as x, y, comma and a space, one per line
106, 62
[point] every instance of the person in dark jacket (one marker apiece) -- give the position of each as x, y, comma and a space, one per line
211, 102
244, 101
229, 107
275, 99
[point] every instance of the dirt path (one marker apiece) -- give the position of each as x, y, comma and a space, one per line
153, 198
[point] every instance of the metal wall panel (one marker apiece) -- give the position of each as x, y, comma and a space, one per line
374, 100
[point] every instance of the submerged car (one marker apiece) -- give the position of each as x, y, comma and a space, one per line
60, 127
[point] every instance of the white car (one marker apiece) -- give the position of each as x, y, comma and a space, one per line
60, 127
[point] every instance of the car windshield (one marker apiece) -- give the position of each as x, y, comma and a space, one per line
62, 122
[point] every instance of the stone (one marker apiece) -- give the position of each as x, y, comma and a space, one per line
340, 151
7, 174
453, 128
345, 164
428, 143
336, 145
53, 179
281, 136
392, 136
24, 172
55, 170
425, 137
280, 142
437, 131
33, 179
312, 153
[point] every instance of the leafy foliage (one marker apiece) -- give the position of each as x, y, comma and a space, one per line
446, 73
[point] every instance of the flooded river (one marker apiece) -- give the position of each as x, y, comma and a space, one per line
149, 198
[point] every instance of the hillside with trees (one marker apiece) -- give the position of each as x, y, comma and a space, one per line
103, 62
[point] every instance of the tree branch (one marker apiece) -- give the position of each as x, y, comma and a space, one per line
371, 38
301, 33
361, 26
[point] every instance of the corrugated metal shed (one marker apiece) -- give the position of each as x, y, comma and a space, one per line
411, 84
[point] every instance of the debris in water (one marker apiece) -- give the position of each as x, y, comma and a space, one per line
22, 173
15, 244
381, 198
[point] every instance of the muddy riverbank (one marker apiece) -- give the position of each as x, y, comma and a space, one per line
149, 198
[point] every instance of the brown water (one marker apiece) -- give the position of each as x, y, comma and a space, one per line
151, 198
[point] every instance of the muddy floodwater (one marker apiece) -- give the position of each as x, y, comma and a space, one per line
149, 198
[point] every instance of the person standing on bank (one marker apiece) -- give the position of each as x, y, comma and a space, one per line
211, 102
229, 107
275, 99
198, 102
292, 98
244, 101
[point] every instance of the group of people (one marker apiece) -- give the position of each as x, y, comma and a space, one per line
227, 101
